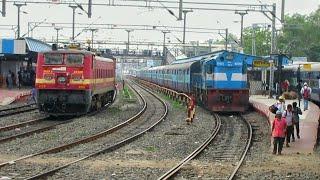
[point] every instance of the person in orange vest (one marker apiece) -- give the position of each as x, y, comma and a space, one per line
191, 110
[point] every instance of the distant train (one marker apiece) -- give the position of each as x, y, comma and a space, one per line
73, 82
310, 76
217, 80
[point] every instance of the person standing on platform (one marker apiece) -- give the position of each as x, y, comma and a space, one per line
20, 78
305, 92
288, 116
281, 105
278, 132
13, 76
9, 80
296, 112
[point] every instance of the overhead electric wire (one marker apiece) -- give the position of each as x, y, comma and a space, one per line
250, 8
200, 3
154, 27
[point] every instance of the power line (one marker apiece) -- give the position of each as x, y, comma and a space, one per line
245, 7
142, 26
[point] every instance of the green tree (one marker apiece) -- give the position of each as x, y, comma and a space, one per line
300, 36
261, 37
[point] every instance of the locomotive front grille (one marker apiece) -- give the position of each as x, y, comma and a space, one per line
63, 102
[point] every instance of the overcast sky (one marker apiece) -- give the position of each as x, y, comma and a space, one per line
125, 15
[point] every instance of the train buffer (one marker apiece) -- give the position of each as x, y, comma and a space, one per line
309, 122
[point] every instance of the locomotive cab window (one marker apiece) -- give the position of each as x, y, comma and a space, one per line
53, 58
74, 59
209, 69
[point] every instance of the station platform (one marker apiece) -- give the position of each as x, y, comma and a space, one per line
8, 96
309, 122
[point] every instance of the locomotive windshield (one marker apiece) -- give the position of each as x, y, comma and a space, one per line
74, 59
53, 58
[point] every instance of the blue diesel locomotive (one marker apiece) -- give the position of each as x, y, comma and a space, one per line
217, 80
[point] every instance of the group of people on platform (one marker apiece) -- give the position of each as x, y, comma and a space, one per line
23, 77
287, 119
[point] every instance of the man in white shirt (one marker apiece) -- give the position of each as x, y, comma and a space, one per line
305, 93
288, 115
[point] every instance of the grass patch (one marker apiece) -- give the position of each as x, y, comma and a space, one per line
175, 104
127, 95
151, 149
114, 109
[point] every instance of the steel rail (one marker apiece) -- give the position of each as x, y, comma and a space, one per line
86, 139
111, 147
22, 110
13, 126
38, 130
17, 107
244, 153
175, 169
42, 129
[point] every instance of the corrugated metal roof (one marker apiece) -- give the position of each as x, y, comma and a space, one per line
198, 58
35, 45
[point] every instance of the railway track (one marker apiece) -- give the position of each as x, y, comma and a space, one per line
228, 147
145, 114
28, 128
10, 132
17, 110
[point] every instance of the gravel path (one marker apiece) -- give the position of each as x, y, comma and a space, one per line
149, 156
66, 133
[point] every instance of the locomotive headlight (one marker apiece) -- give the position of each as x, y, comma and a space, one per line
62, 79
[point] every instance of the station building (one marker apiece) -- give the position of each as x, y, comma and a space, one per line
20, 54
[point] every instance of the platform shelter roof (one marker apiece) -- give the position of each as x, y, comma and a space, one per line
35, 45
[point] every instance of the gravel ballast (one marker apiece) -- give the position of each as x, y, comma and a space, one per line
151, 155
69, 132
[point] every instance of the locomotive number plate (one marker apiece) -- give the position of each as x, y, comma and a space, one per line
226, 98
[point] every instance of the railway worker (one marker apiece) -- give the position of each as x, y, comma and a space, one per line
278, 132
288, 115
305, 92
191, 110
296, 111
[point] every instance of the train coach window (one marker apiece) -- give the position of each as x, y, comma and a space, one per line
53, 58
74, 59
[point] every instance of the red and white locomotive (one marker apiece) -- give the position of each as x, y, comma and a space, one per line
73, 82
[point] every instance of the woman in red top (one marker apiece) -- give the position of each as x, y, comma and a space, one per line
279, 126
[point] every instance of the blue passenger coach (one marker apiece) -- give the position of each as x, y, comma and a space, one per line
217, 80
